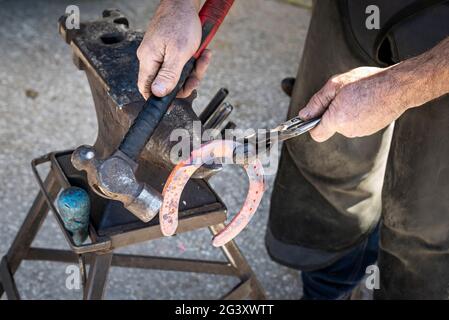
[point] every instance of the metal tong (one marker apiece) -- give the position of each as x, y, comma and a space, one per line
254, 144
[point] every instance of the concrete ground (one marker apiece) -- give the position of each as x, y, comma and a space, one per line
46, 105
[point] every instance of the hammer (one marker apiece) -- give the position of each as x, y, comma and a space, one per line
114, 177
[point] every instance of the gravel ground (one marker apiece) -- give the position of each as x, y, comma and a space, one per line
46, 105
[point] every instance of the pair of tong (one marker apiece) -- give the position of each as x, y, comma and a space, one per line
254, 144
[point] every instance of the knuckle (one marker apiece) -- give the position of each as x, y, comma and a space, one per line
317, 99
143, 50
334, 81
149, 51
139, 52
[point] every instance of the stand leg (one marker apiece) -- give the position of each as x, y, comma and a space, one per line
9, 285
244, 271
98, 275
29, 228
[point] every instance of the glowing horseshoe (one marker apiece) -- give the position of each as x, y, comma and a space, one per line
185, 169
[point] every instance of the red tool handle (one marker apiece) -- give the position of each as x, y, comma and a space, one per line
212, 15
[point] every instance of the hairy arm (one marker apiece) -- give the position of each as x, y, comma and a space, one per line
428, 73
365, 100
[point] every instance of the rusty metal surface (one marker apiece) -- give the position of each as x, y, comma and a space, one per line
106, 50
107, 46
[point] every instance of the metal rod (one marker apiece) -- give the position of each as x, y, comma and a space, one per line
186, 223
139, 261
219, 117
239, 292
216, 101
98, 276
9, 285
229, 126
32, 223
238, 261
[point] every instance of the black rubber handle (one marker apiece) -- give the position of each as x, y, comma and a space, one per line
147, 120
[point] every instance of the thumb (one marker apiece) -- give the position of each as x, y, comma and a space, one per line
168, 75
319, 102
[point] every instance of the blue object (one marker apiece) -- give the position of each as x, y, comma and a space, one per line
337, 280
74, 206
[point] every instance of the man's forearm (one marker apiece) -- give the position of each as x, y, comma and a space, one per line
423, 78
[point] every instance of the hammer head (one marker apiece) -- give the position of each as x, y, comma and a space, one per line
113, 178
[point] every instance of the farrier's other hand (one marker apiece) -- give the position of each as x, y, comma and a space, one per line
355, 104
172, 38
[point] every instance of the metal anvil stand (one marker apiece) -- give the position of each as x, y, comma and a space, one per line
106, 50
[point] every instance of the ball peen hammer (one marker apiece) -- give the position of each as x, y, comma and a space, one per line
114, 177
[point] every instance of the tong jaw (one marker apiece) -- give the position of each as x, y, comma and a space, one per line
295, 127
254, 145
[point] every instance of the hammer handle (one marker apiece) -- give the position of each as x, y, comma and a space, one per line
211, 15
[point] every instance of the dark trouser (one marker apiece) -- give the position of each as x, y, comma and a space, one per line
337, 280
329, 197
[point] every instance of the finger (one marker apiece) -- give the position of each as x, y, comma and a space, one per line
193, 81
169, 73
145, 79
149, 64
319, 102
202, 64
325, 129
191, 84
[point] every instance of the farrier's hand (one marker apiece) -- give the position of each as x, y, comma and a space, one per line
172, 38
355, 104
365, 100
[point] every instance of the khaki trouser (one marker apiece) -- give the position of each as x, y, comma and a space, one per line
329, 196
